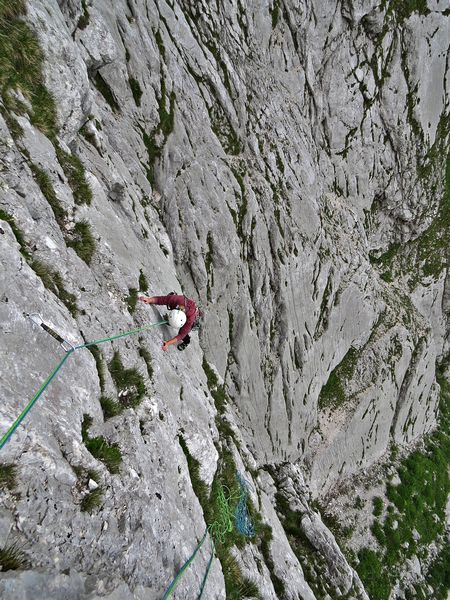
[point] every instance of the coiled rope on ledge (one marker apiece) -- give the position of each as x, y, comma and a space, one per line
220, 528
69, 351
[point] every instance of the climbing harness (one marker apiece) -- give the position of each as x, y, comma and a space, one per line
69, 349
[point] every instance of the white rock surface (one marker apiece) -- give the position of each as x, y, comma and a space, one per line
292, 160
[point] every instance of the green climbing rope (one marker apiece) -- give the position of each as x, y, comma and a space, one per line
52, 375
180, 573
224, 515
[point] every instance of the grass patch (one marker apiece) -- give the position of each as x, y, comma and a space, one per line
21, 69
45, 185
377, 506
12, 558
109, 454
129, 382
145, 354
82, 241
44, 273
135, 90
76, 176
143, 283
93, 498
429, 250
18, 234
275, 13
433, 244
332, 394
132, 300
416, 515
106, 92
403, 9
166, 118
8, 475
223, 130
110, 407
96, 353
83, 21
217, 391
438, 577
372, 573
53, 281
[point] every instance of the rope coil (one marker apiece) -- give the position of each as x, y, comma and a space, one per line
242, 518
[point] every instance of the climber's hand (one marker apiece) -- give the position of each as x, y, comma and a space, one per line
165, 346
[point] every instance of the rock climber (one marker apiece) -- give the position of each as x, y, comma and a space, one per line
183, 314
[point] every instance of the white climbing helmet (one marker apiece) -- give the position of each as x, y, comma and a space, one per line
176, 318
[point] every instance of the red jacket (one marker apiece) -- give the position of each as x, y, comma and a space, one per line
191, 310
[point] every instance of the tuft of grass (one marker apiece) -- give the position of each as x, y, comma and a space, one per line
44, 273
76, 176
372, 573
332, 394
83, 21
135, 90
106, 92
377, 506
8, 475
403, 9
4, 216
83, 242
12, 558
44, 182
198, 485
53, 281
92, 500
166, 119
143, 283
109, 454
217, 391
110, 407
275, 13
96, 353
21, 69
9, 10
66, 297
132, 300
129, 382
15, 129
145, 354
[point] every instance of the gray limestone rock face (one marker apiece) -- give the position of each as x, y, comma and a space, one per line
276, 162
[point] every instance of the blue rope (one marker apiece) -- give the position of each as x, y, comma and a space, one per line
242, 519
